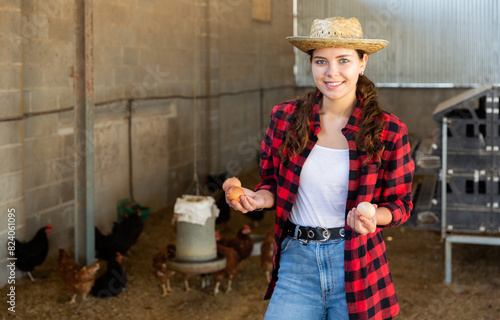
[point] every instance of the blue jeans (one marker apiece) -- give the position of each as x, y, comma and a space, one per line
310, 281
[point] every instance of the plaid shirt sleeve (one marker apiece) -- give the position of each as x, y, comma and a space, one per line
267, 169
398, 176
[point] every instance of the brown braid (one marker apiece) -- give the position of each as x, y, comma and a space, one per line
368, 136
298, 135
372, 123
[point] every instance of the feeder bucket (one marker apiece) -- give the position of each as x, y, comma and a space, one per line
196, 228
195, 242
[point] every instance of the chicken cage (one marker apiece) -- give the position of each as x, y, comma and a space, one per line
457, 176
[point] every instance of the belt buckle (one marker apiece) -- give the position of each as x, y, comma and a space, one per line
299, 233
325, 233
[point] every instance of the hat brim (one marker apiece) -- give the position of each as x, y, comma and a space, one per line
369, 46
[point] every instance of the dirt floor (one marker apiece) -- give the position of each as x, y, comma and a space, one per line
416, 260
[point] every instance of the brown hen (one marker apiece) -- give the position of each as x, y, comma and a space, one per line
242, 244
161, 270
266, 254
231, 269
77, 278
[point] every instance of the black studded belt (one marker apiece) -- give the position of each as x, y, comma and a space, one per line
310, 233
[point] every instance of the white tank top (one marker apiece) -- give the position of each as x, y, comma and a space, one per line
322, 193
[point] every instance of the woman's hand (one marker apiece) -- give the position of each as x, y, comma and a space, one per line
250, 201
361, 224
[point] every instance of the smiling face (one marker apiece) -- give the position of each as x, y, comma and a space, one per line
335, 72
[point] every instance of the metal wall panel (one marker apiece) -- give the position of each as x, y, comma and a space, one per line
432, 43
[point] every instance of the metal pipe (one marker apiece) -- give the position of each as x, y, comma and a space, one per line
130, 163
208, 85
89, 115
127, 100
467, 239
447, 258
444, 169
84, 131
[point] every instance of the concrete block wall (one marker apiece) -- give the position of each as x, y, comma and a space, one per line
10, 59
111, 162
170, 77
251, 55
11, 132
47, 54
154, 150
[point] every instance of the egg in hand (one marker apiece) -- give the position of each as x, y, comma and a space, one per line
231, 182
366, 209
234, 193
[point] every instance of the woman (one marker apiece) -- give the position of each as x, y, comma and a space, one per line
322, 155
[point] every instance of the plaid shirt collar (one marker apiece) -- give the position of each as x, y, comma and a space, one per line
352, 125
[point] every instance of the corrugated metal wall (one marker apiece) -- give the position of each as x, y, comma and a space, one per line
432, 43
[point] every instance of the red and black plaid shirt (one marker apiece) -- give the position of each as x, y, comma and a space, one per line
369, 289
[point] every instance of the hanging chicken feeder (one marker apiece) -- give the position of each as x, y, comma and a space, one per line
196, 248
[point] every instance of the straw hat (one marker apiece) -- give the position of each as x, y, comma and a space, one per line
337, 32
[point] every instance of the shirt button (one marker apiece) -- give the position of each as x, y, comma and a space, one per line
317, 126
289, 198
296, 169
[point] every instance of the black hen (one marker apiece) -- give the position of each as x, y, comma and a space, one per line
255, 216
107, 245
213, 187
132, 228
111, 283
33, 253
125, 234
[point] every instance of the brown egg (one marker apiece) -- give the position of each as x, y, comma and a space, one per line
366, 209
234, 193
231, 182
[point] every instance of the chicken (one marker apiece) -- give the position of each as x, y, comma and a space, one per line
77, 278
161, 270
175, 222
107, 245
266, 254
113, 282
33, 253
121, 239
242, 244
132, 227
186, 276
231, 269
213, 184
